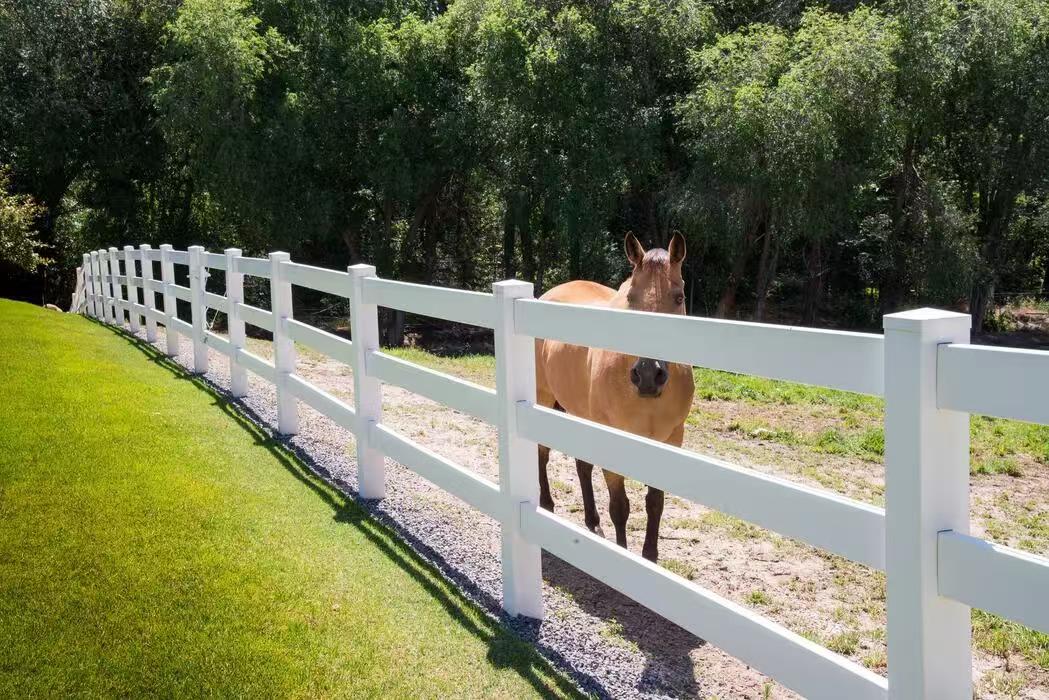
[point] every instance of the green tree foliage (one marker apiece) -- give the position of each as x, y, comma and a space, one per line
826, 161
18, 214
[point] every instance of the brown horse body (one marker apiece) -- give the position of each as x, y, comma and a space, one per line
647, 397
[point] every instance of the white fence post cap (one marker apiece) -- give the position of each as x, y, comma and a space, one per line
913, 320
500, 287
361, 270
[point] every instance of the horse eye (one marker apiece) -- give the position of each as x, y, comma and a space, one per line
679, 299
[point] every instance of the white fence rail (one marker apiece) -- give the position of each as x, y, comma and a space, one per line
930, 377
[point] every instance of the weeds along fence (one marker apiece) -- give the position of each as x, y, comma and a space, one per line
930, 376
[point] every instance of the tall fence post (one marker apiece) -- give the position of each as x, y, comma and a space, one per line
149, 299
132, 288
167, 276
283, 347
92, 290
75, 304
367, 391
197, 280
238, 376
116, 289
108, 314
100, 271
926, 491
518, 462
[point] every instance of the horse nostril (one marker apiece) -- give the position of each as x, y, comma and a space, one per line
635, 376
661, 377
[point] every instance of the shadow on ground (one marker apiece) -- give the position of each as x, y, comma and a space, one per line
665, 646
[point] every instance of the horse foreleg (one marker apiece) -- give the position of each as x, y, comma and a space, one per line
618, 505
654, 509
585, 470
654, 506
545, 500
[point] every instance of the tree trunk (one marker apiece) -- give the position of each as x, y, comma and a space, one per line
814, 283
509, 237
980, 297
766, 272
895, 279
727, 302
524, 230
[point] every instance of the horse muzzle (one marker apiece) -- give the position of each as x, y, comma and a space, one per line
649, 377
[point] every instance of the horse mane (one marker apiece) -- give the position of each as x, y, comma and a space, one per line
656, 257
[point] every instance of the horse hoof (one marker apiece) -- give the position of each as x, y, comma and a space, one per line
596, 529
546, 505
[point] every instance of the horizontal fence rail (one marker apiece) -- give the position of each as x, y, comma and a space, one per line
465, 397
840, 525
1003, 382
323, 342
473, 308
256, 267
215, 261
256, 316
930, 378
1005, 581
464, 484
835, 359
317, 278
791, 659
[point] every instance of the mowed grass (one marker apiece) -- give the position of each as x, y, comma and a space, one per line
154, 543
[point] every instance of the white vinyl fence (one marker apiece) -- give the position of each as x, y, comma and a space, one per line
930, 376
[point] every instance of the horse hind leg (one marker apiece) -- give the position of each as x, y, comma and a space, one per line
546, 501
585, 470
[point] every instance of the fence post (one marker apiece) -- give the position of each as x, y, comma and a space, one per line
107, 286
367, 391
197, 280
116, 289
238, 376
92, 290
132, 288
76, 303
926, 491
518, 461
167, 276
149, 299
283, 347
100, 268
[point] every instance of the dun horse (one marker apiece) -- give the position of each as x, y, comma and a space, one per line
640, 395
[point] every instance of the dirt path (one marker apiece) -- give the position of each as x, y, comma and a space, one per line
614, 646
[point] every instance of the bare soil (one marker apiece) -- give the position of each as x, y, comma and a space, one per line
833, 601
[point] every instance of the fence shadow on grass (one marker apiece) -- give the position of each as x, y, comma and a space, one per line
507, 646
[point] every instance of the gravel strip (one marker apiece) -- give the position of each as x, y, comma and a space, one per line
587, 624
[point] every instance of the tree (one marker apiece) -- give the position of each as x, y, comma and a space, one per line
18, 214
787, 129
74, 104
996, 138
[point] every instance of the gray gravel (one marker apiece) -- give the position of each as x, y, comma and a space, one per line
588, 624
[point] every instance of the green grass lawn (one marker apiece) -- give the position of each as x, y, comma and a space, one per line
154, 543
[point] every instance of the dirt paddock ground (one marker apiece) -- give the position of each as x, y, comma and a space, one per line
821, 438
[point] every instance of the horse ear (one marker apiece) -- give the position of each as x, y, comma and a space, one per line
634, 252
677, 248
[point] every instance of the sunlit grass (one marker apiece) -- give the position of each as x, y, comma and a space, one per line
153, 543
